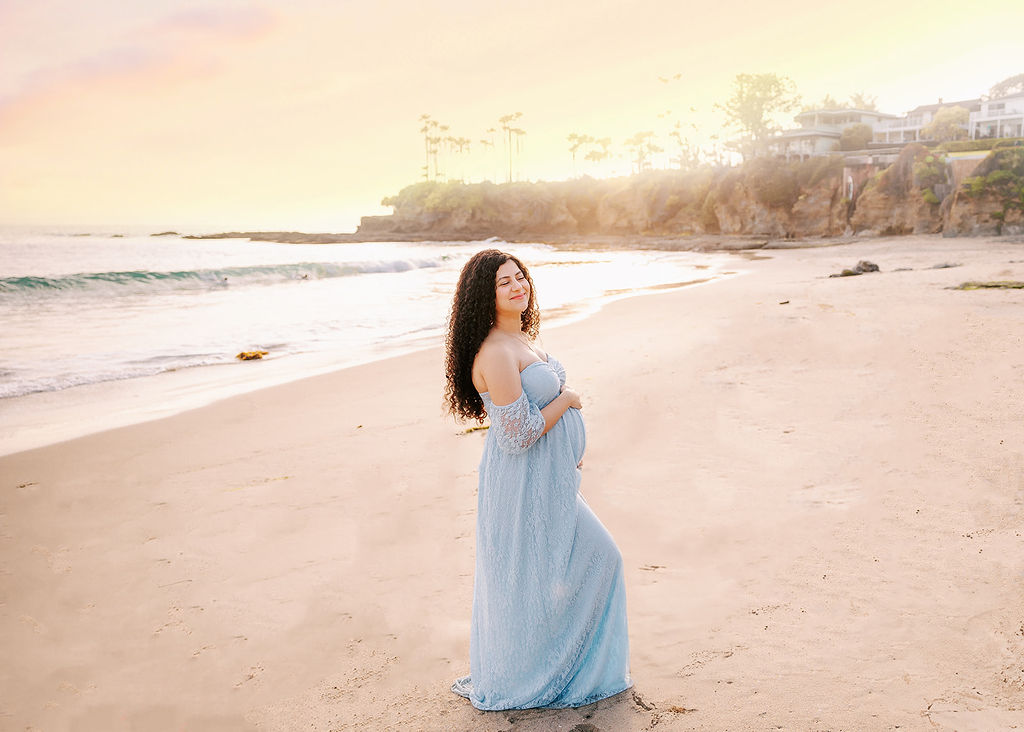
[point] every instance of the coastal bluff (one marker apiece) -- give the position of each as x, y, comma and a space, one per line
762, 198
924, 191
921, 192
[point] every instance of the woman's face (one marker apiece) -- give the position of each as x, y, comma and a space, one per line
511, 289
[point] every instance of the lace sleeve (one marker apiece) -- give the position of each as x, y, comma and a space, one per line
516, 426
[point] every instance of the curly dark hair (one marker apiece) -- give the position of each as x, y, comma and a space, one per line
472, 317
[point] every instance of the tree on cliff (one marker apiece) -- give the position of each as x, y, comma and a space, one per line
856, 137
576, 141
595, 155
949, 123
642, 146
756, 102
1007, 87
441, 169
688, 156
460, 145
860, 100
829, 102
430, 142
496, 162
484, 144
512, 137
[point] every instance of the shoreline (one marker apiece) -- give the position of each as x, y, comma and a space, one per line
158, 396
40, 419
680, 242
819, 517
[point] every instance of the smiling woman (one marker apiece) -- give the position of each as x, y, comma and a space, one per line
549, 605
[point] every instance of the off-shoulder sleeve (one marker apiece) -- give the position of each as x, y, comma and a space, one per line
516, 426
558, 368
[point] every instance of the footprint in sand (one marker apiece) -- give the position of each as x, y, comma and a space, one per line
69, 688
56, 559
834, 496
250, 675
35, 624
656, 714
701, 659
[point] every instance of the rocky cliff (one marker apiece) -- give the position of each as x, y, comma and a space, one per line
766, 198
991, 200
901, 199
921, 192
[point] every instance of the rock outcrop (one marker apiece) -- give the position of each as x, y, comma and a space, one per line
991, 200
920, 193
896, 202
764, 197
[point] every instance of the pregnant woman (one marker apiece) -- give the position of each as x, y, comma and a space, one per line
549, 601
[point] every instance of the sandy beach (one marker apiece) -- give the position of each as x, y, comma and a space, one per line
817, 486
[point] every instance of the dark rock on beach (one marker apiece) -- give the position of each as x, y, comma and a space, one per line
862, 267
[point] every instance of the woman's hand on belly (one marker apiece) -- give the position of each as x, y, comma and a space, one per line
574, 397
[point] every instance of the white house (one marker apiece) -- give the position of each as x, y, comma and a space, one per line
908, 127
820, 130
987, 118
999, 118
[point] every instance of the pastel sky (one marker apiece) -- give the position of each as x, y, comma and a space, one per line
223, 114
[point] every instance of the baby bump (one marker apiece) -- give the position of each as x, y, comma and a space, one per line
571, 424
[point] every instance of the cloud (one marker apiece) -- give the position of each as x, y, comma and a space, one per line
187, 38
228, 22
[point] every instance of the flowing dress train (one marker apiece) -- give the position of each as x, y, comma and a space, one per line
549, 599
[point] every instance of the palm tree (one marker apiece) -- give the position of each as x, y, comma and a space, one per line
461, 146
506, 127
596, 156
435, 146
519, 134
444, 163
577, 141
643, 146
427, 128
485, 143
493, 132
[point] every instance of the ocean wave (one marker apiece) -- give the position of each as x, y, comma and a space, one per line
142, 281
16, 387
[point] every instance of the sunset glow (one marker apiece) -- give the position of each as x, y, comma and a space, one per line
255, 115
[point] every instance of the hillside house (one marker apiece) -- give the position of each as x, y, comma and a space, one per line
1002, 117
908, 127
820, 130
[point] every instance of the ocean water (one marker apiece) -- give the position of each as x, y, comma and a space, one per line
146, 326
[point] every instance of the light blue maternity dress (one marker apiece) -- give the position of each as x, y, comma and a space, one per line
549, 599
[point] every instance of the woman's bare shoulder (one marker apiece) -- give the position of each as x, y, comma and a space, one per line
494, 352
495, 361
